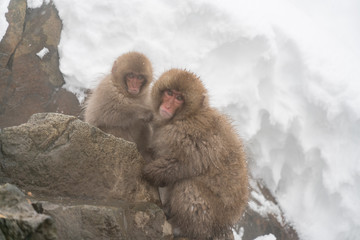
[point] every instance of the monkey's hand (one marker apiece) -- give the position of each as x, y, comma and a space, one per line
141, 112
160, 172
147, 115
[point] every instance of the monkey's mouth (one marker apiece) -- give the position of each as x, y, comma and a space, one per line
165, 114
133, 91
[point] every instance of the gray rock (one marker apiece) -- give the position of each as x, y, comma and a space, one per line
119, 220
75, 219
86, 180
18, 219
59, 155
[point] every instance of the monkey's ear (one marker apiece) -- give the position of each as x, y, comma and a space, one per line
204, 99
114, 68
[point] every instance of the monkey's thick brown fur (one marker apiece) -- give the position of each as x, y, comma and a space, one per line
112, 109
199, 158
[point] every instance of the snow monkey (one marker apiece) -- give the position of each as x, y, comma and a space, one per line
197, 157
118, 103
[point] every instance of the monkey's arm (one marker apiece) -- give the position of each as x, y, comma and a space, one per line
125, 115
162, 172
119, 115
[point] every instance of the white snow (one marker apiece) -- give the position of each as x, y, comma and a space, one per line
266, 237
42, 52
261, 205
287, 71
238, 235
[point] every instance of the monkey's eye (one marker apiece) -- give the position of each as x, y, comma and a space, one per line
141, 77
130, 75
169, 92
180, 98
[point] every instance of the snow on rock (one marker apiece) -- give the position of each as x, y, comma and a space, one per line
42, 52
238, 236
266, 237
261, 205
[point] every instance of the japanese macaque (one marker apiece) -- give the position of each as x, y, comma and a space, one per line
119, 103
198, 159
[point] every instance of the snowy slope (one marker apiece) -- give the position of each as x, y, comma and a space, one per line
286, 71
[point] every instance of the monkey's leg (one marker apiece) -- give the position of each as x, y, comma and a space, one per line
192, 210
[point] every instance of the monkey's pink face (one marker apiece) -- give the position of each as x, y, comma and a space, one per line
134, 82
172, 100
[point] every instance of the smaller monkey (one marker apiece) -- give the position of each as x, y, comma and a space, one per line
118, 105
198, 159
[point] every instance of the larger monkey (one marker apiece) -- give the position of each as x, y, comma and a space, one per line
198, 157
118, 104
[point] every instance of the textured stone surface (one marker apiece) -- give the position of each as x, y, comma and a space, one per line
18, 219
86, 180
74, 219
122, 220
59, 155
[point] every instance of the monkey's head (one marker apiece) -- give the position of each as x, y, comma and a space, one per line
132, 74
178, 94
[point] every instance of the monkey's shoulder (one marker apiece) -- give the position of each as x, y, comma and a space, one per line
207, 122
195, 129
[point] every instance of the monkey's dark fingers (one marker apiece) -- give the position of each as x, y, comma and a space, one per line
148, 116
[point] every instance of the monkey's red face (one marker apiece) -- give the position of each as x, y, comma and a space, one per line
172, 100
134, 83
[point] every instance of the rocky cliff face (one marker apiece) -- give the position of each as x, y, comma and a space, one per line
29, 81
83, 183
